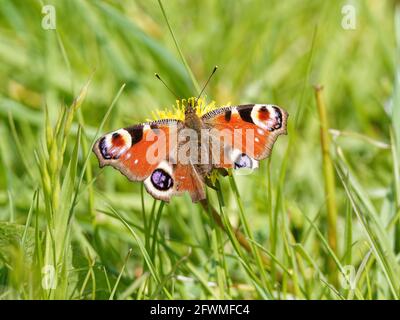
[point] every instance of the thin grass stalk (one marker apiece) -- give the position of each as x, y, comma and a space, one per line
329, 179
195, 83
256, 253
241, 238
114, 290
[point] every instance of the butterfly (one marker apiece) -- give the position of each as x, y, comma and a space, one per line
174, 156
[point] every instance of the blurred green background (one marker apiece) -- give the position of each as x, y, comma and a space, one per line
60, 212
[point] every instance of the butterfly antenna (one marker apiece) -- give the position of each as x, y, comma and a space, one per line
208, 80
169, 89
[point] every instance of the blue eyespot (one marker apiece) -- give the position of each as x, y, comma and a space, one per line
103, 149
161, 180
243, 161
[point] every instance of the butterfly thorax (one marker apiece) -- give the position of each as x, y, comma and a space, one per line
194, 122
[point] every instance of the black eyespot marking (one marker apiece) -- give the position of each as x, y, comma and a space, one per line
161, 180
263, 109
245, 114
136, 133
243, 161
103, 149
115, 135
278, 119
228, 115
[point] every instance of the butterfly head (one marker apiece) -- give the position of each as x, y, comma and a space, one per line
191, 106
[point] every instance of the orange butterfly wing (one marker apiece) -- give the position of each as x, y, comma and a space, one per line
136, 151
148, 152
245, 131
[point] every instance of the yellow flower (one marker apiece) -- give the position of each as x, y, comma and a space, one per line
178, 109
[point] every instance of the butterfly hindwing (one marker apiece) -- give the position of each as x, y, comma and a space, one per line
189, 180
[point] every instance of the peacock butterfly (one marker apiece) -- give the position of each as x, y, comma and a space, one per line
175, 156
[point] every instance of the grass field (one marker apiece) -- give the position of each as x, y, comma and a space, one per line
318, 220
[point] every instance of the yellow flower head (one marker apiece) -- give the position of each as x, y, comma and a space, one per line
178, 109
